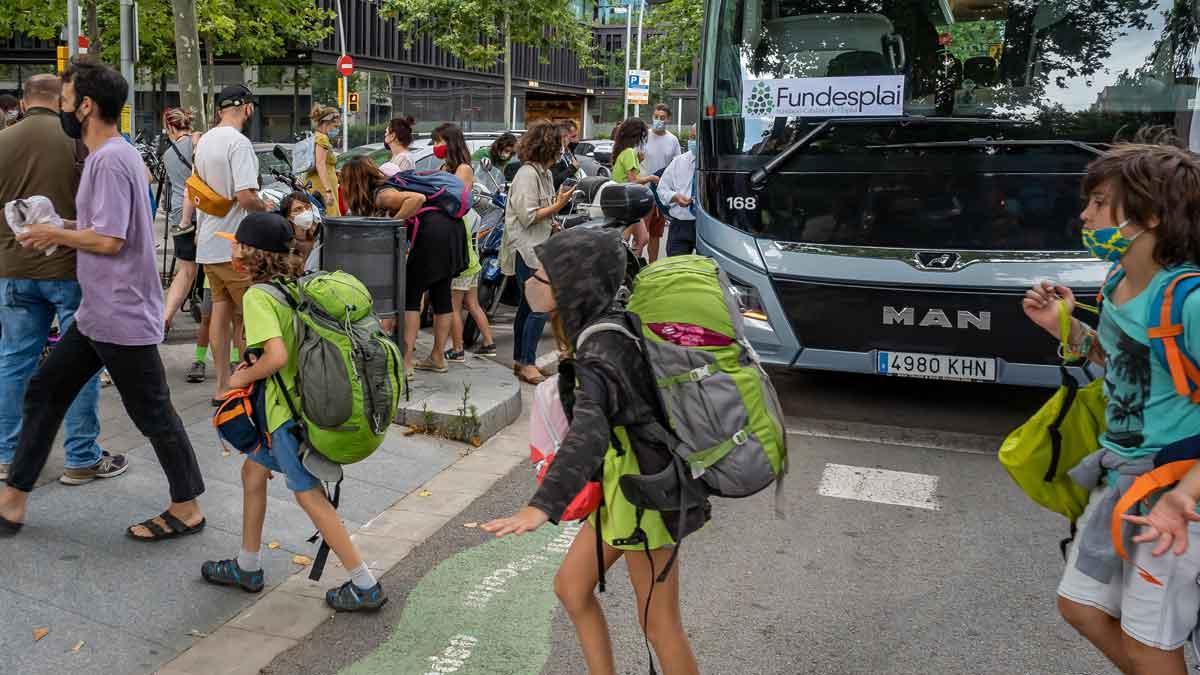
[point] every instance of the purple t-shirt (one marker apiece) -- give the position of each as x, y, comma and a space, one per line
122, 294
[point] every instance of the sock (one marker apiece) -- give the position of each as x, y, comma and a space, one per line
201, 353
362, 577
251, 562
234, 355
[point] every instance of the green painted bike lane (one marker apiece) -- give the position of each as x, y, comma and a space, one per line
486, 610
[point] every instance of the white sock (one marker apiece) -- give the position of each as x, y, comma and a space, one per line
251, 562
362, 577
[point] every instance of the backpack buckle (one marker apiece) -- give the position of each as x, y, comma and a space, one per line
740, 437
697, 374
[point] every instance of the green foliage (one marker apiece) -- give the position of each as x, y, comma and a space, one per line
472, 30
671, 48
38, 19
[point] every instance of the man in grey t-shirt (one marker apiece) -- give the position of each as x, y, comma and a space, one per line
661, 149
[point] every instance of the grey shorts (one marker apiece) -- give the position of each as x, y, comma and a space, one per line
1157, 615
464, 284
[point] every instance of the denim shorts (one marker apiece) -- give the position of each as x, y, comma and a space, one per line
284, 457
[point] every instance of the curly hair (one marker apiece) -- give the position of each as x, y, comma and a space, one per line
361, 179
402, 130
541, 143
506, 141
1154, 183
267, 265
630, 134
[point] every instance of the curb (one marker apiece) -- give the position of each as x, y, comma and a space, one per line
295, 608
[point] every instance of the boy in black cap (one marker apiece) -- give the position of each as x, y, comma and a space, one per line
264, 249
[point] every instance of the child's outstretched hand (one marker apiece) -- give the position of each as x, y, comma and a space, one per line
527, 519
1167, 523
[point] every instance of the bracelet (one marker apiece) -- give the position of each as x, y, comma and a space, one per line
1069, 352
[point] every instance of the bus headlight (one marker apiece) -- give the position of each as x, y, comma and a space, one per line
749, 301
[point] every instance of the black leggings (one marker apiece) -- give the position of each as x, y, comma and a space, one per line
138, 375
439, 297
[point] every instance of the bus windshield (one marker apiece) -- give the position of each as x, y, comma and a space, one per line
1095, 71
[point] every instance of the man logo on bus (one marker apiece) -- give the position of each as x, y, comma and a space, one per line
761, 100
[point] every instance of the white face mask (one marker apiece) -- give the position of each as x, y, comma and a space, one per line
303, 220
539, 295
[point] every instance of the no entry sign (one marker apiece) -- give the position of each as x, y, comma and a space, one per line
345, 66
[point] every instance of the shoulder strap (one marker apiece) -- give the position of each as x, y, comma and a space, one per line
1165, 330
605, 327
1145, 485
185, 160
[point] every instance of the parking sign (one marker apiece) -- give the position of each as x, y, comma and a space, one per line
637, 91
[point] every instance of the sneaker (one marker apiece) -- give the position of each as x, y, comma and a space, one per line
229, 573
109, 466
456, 357
105, 379
350, 598
195, 374
486, 350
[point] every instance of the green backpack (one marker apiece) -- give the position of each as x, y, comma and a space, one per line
348, 370
719, 402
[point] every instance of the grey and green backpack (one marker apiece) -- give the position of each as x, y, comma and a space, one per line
348, 375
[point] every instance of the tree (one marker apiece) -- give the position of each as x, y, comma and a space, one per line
187, 52
673, 45
38, 19
481, 32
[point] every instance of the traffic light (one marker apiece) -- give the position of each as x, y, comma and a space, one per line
354, 101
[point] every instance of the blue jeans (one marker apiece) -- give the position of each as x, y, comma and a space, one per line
27, 308
528, 324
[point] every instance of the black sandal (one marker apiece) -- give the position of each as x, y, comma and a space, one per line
178, 528
8, 528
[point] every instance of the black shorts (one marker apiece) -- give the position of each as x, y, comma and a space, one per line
185, 246
439, 296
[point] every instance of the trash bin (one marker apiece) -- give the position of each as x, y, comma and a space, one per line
374, 250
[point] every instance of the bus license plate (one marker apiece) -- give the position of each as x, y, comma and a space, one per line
937, 366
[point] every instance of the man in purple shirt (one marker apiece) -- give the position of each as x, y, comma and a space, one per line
119, 322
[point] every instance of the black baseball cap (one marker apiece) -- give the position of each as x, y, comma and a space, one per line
235, 95
266, 231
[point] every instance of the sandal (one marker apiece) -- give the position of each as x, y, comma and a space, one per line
229, 573
428, 364
8, 528
537, 379
178, 528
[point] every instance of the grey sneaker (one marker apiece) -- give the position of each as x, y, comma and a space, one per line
109, 466
196, 374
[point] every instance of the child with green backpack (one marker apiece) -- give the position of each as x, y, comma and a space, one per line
1142, 215
264, 246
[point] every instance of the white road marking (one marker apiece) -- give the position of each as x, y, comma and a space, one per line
898, 488
884, 434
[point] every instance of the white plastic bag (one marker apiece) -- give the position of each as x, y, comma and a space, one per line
21, 213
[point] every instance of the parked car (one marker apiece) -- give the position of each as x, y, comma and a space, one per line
378, 152
598, 150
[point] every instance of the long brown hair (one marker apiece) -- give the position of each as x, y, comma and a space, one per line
457, 152
1154, 182
630, 134
361, 180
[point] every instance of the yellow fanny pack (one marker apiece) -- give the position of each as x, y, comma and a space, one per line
207, 199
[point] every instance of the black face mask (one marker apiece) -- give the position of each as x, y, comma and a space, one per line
71, 124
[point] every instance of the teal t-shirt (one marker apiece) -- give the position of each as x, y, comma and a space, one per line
1144, 412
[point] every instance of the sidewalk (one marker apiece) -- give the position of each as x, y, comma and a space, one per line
135, 606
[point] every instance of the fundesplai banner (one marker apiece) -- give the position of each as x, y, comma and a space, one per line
865, 96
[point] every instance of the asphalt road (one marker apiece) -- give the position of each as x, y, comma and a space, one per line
944, 567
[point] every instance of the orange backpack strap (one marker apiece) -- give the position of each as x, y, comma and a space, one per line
1165, 330
1145, 485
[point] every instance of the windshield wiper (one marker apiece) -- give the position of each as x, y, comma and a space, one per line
758, 177
991, 142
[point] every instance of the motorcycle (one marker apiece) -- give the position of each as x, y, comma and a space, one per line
285, 184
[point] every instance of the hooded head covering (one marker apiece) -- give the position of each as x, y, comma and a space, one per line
586, 267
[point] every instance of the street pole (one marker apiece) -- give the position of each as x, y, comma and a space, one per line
127, 38
679, 118
345, 83
628, 48
637, 108
73, 28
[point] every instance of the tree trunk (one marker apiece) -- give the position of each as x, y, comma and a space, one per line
93, 28
187, 60
509, 120
211, 98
